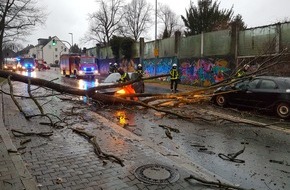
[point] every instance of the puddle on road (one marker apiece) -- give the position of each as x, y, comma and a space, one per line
85, 84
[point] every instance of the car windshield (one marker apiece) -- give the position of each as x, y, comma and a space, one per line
87, 60
112, 78
242, 84
10, 61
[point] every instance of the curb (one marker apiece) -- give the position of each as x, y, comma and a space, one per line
26, 178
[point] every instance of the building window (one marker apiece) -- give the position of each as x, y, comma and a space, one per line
56, 56
61, 47
55, 49
49, 46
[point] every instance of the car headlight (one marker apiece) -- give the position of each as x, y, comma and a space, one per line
81, 72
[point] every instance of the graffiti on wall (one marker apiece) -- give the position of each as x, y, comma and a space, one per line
128, 66
204, 71
197, 72
153, 67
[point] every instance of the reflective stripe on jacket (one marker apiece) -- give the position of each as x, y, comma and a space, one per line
124, 77
240, 73
174, 74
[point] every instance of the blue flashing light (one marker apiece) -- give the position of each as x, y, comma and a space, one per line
26, 65
85, 68
93, 68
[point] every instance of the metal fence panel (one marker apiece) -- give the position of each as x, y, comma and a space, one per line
217, 43
149, 50
258, 41
190, 47
285, 35
106, 53
166, 47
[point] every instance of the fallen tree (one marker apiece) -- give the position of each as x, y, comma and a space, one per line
152, 101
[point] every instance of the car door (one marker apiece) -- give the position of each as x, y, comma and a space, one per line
265, 94
243, 97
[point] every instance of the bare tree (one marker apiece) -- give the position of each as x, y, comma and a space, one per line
105, 22
137, 18
169, 19
17, 19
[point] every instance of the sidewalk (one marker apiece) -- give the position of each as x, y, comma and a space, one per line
66, 160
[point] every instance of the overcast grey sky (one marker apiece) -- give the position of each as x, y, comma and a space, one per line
70, 16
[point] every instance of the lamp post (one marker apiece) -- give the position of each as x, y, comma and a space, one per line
155, 20
72, 39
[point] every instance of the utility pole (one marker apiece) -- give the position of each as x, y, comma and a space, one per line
155, 20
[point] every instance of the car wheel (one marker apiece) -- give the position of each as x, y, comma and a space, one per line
283, 110
221, 100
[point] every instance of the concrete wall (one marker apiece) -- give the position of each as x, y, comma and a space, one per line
205, 58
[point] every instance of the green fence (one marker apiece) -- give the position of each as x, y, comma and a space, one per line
255, 41
258, 41
285, 35
217, 43
166, 47
190, 47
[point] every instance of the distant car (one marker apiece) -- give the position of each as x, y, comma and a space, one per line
139, 86
262, 93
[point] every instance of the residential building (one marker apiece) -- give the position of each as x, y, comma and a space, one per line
48, 52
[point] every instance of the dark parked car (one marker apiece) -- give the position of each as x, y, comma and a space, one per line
139, 86
262, 93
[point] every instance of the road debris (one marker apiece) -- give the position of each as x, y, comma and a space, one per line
232, 157
93, 140
17, 133
213, 184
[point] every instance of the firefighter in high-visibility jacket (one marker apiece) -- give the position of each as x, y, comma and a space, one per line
139, 70
241, 72
174, 78
124, 76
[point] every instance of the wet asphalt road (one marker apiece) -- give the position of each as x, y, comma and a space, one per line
266, 154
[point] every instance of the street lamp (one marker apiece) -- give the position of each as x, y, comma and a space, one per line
155, 20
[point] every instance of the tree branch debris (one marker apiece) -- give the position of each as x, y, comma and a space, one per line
93, 140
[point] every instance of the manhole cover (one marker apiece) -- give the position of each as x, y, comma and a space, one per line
156, 174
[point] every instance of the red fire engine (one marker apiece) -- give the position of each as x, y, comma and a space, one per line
78, 66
